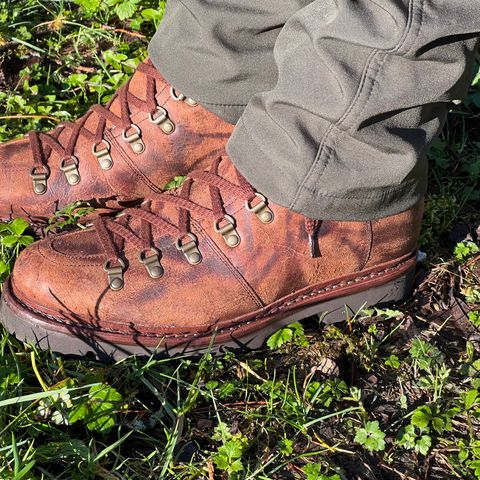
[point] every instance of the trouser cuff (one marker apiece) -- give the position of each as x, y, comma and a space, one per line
269, 179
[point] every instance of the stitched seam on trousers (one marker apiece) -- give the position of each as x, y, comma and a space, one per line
370, 60
327, 137
300, 298
375, 194
233, 105
377, 62
383, 57
182, 3
388, 190
420, 26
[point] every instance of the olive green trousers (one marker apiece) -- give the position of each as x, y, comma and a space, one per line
335, 102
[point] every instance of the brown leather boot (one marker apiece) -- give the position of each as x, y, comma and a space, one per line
214, 260
122, 152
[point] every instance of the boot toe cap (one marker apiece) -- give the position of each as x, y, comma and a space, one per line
47, 282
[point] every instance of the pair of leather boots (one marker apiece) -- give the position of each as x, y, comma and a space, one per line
212, 264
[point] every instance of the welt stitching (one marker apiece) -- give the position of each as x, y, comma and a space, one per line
300, 298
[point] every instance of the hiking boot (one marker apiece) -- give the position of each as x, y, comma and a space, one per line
212, 263
113, 155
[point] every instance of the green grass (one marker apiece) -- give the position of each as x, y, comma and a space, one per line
388, 394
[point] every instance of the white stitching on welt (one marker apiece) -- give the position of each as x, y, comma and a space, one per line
232, 328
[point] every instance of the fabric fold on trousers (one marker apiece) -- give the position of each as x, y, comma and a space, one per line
220, 52
361, 90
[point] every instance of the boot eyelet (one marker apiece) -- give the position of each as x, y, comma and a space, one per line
134, 138
115, 274
69, 166
40, 179
101, 150
152, 263
190, 249
228, 231
161, 119
180, 97
261, 209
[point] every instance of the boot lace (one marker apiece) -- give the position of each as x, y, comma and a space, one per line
44, 144
113, 233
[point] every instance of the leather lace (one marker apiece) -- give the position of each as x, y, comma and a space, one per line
43, 144
112, 233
